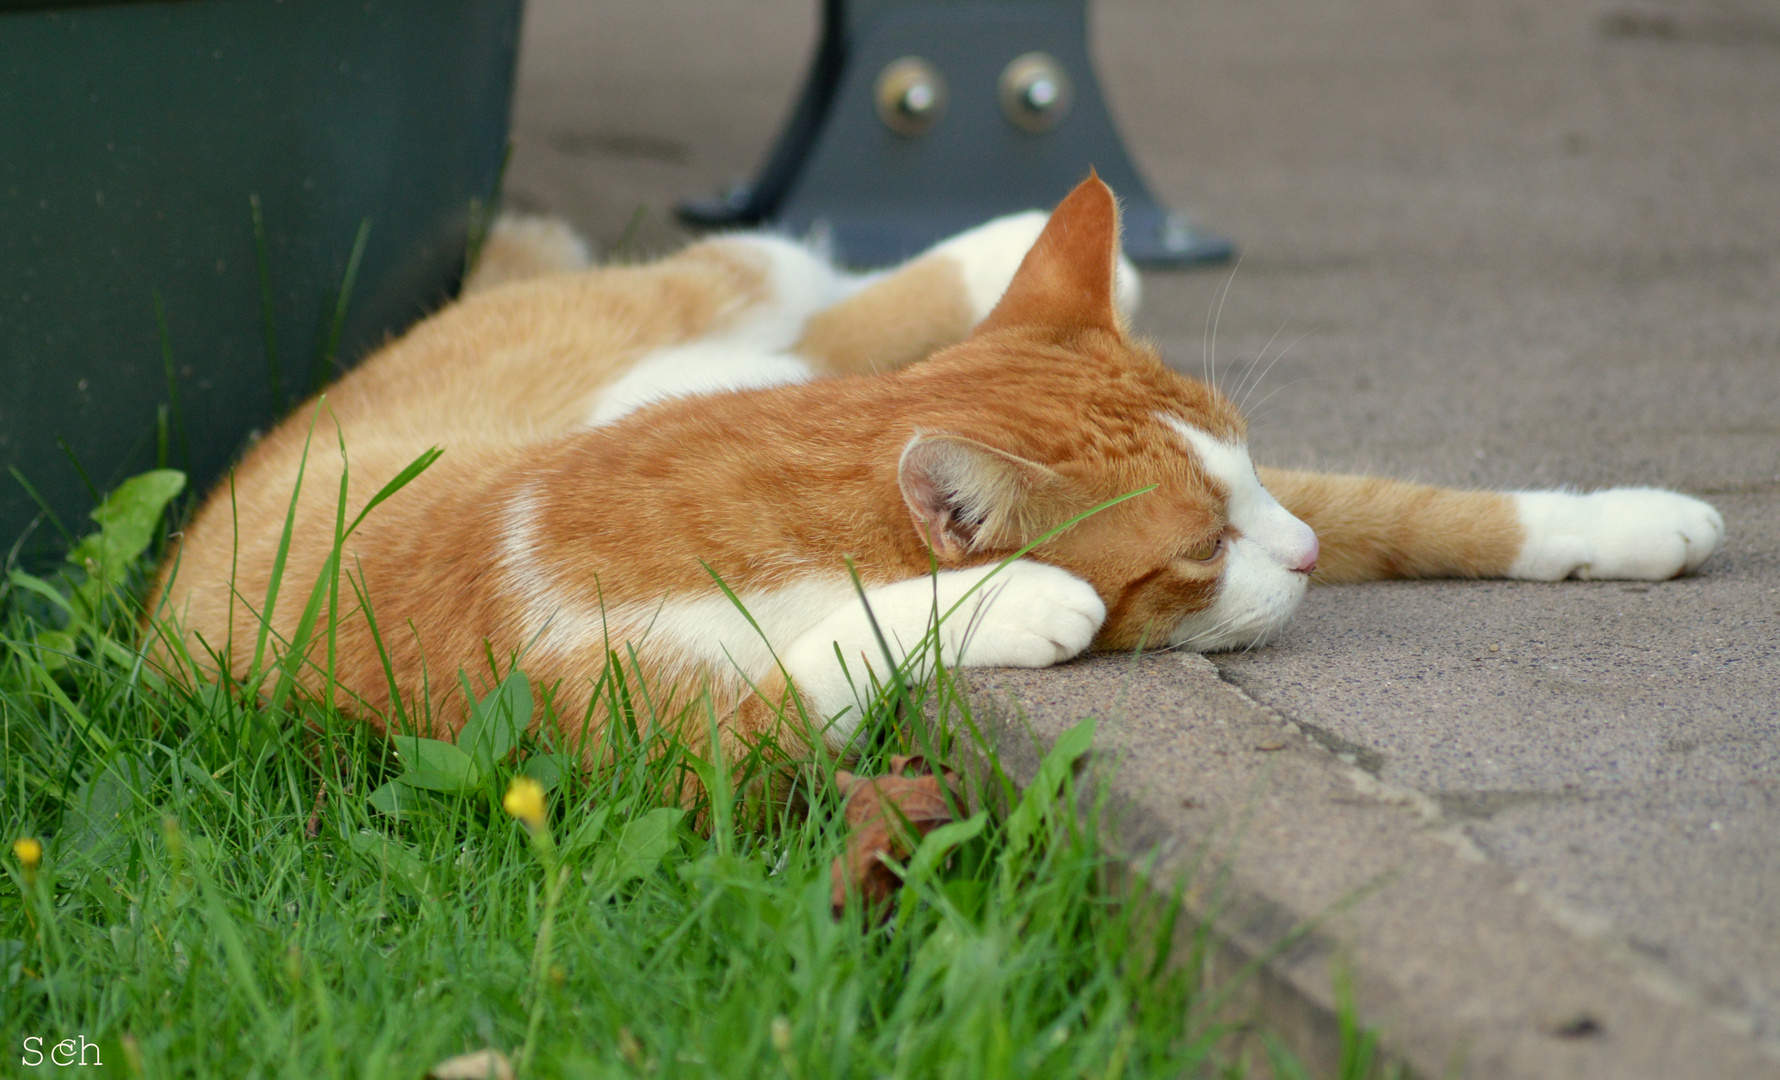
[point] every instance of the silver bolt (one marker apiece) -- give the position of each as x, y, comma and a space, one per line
918, 99
1035, 92
911, 96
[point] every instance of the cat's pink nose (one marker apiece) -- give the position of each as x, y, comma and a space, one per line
1307, 560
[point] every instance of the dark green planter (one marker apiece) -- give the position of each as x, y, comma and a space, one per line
133, 140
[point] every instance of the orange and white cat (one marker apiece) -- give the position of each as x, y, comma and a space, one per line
617, 439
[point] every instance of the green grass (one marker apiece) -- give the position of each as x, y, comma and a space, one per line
222, 896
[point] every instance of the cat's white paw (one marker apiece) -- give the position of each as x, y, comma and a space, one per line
1640, 534
1028, 615
989, 255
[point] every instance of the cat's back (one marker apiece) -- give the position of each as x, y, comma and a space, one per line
485, 380
526, 359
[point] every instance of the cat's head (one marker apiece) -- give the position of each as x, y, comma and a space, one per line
1050, 408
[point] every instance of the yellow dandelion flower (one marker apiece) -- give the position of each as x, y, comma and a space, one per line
29, 851
525, 801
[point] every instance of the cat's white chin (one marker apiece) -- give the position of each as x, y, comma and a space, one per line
1256, 598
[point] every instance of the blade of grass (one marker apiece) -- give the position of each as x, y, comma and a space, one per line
41, 505
85, 480
279, 557
324, 370
88, 731
327, 582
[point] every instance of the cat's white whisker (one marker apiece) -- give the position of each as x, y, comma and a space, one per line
1255, 415
1211, 345
1243, 385
1242, 402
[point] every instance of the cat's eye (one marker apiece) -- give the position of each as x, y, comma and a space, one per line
1207, 549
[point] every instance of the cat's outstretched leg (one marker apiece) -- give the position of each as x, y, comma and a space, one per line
1372, 528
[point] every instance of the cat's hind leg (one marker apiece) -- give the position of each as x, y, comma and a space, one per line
807, 317
1372, 528
782, 285
901, 315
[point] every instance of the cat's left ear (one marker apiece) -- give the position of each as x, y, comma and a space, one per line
968, 496
1069, 280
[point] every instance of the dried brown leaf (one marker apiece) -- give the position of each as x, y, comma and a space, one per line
888, 815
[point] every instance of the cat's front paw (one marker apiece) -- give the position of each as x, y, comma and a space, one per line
1028, 615
1639, 534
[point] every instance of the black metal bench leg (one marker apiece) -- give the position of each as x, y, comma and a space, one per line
921, 118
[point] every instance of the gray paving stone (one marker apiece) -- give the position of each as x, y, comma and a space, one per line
1497, 244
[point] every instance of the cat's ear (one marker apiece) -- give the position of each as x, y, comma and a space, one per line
1069, 279
968, 496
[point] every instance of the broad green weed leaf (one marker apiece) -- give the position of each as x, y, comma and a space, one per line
548, 769
967, 896
435, 765
642, 845
720, 870
1035, 805
934, 849
498, 720
94, 820
54, 647
127, 520
396, 799
591, 829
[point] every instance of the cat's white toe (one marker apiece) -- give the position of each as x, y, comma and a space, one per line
1702, 530
1639, 534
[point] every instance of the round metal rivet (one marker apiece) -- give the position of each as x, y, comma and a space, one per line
911, 96
1035, 92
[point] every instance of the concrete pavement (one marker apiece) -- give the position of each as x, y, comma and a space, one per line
1485, 244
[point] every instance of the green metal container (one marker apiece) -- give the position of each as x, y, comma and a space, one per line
144, 315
